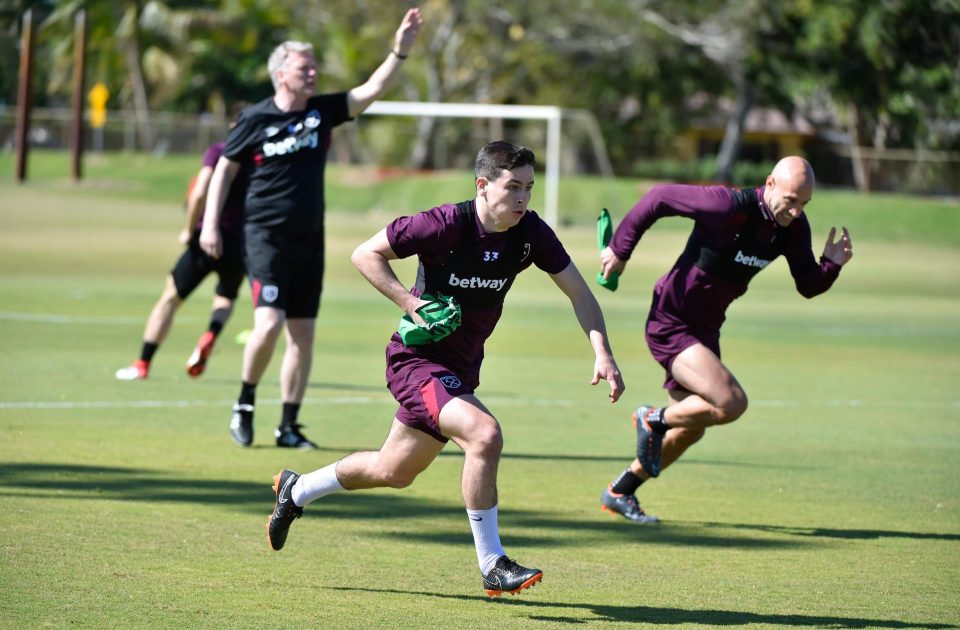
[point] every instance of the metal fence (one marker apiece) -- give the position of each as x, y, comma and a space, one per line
894, 170
373, 140
169, 133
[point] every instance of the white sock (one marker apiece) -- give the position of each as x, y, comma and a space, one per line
486, 536
312, 486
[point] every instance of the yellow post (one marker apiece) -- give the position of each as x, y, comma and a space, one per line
97, 97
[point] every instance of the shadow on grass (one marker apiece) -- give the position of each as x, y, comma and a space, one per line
515, 530
619, 459
454, 453
79, 481
522, 527
829, 532
590, 613
531, 528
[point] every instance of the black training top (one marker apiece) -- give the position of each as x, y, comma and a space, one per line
285, 154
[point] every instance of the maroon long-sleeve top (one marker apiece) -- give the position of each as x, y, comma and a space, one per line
734, 237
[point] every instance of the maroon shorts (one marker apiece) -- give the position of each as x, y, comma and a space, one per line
422, 388
667, 338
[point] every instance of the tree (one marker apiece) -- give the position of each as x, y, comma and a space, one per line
892, 69
11, 15
114, 50
889, 69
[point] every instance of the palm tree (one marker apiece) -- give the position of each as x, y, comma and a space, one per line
141, 49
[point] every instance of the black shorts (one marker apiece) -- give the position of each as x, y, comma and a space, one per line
195, 265
285, 270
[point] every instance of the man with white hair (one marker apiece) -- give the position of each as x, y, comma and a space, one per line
736, 234
282, 143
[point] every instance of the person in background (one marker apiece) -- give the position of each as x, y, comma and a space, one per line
283, 142
193, 266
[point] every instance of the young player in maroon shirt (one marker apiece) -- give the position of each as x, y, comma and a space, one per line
470, 251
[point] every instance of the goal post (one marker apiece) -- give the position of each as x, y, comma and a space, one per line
552, 115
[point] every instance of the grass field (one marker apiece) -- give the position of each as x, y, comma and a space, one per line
833, 503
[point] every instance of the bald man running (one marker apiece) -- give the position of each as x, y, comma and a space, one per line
736, 234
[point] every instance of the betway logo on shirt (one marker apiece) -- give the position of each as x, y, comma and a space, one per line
751, 261
291, 144
496, 284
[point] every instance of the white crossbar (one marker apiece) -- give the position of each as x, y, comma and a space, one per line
552, 115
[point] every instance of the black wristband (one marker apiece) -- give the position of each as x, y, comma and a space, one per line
399, 56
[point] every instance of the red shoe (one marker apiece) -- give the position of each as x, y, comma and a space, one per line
137, 371
198, 360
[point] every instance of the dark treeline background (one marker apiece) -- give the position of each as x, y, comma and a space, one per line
875, 74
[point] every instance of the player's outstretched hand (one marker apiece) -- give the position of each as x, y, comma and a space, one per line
606, 368
408, 31
840, 251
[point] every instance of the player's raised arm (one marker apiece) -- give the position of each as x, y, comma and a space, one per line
360, 97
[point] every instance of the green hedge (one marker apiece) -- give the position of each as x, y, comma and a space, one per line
700, 171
